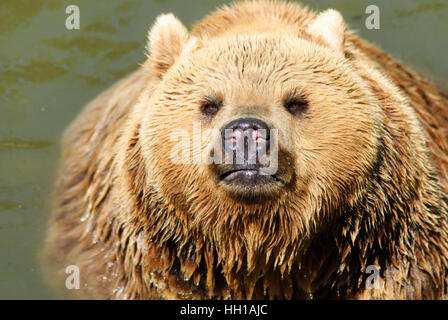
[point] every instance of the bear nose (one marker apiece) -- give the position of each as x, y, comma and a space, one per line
245, 138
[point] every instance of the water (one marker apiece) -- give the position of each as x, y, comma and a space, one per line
48, 73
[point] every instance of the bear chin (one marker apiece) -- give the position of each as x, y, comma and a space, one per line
254, 182
248, 182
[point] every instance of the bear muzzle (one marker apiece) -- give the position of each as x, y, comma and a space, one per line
249, 145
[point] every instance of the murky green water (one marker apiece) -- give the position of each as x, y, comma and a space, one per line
47, 73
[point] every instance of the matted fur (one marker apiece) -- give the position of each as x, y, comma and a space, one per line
368, 170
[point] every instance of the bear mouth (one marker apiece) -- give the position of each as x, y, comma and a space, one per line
248, 177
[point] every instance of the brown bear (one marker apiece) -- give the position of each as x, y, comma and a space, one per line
357, 144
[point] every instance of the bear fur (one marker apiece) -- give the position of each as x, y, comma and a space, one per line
364, 169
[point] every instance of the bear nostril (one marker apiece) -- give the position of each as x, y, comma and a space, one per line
245, 137
259, 127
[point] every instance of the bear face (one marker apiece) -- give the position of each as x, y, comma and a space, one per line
322, 113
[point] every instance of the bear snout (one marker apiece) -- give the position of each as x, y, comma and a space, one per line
246, 140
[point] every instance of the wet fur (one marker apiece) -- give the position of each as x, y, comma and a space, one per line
131, 230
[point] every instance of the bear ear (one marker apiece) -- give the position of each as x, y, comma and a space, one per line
166, 41
330, 27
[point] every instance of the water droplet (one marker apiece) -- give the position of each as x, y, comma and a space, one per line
85, 217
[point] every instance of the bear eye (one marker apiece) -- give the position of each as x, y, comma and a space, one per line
211, 105
296, 104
